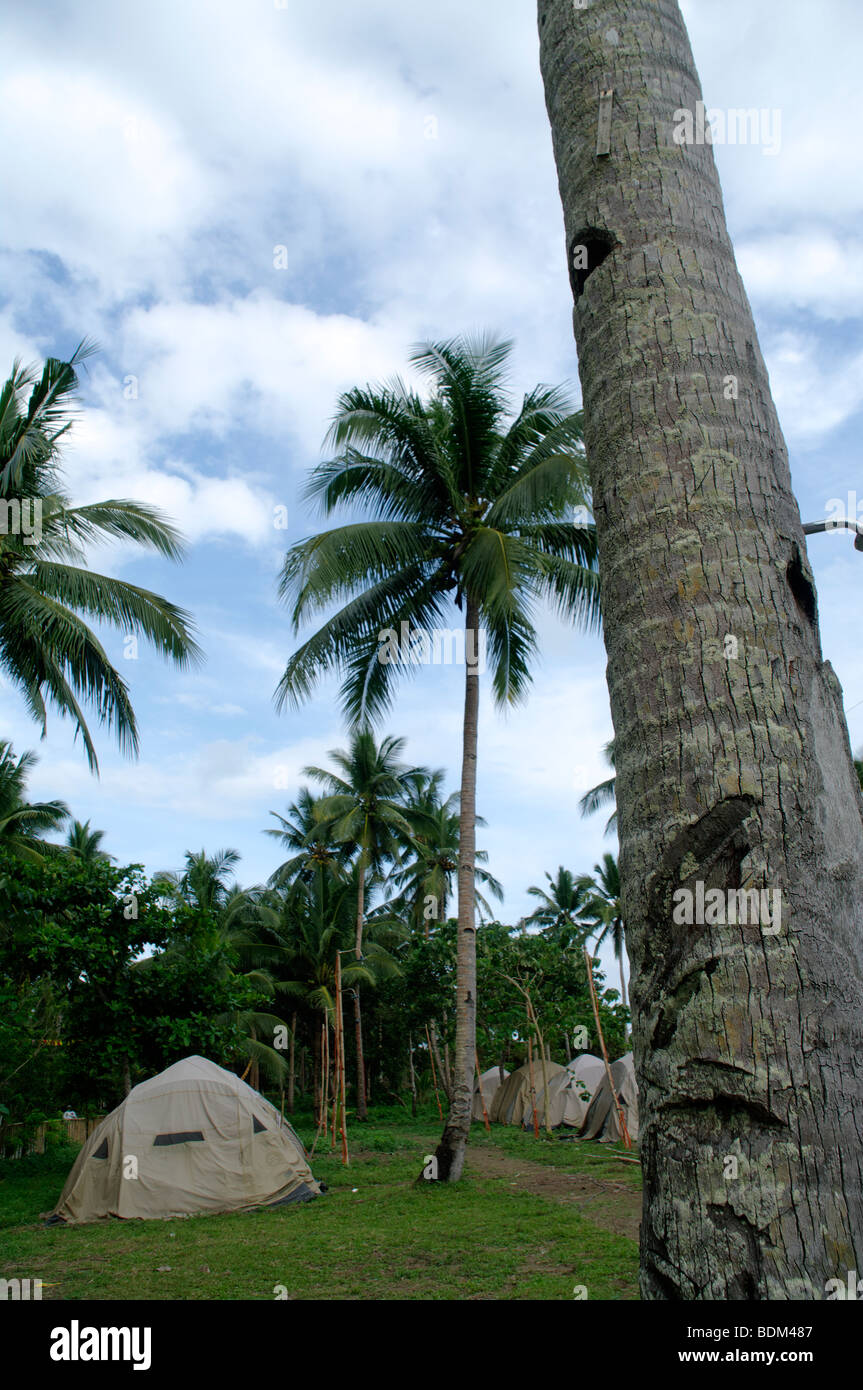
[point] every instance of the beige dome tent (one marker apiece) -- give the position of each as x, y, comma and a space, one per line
513, 1104
569, 1093
491, 1083
602, 1121
193, 1139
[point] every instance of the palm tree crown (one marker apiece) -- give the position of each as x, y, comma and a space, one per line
559, 907
85, 843
22, 822
46, 648
464, 505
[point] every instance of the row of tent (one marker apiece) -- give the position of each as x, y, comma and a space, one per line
197, 1139
576, 1096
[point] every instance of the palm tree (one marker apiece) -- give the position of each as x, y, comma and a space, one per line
204, 882
309, 835
362, 810
721, 763
466, 505
603, 794
46, 648
601, 908
84, 843
308, 925
559, 908
22, 822
426, 878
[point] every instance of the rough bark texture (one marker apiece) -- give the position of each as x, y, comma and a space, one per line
451, 1149
732, 759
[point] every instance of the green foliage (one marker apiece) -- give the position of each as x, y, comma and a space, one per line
84, 965
463, 501
47, 589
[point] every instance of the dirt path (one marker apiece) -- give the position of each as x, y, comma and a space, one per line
613, 1206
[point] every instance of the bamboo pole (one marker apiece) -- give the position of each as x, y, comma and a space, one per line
413, 1074
341, 1061
542, 1054
623, 1129
332, 1067
481, 1096
434, 1077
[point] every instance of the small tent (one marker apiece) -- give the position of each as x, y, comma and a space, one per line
569, 1093
602, 1120
193, 1139
513, 1104
491, 1083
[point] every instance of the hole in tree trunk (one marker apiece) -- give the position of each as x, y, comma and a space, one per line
589, 249
804, 594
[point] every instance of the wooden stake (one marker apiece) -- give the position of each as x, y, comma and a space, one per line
341, 1061
434, 1077
623, 1129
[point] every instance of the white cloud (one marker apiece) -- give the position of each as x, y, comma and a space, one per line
813, 396
805, 269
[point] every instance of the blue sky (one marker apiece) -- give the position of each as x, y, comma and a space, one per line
156, 156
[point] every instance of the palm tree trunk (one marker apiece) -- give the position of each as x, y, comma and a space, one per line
732, 759
362, 1111
450, 1151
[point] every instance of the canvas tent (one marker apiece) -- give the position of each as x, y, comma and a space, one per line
490, 1086
193, 1139
512, 1104
569, 1093
602, 1121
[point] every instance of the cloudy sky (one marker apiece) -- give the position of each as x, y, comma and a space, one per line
255, 205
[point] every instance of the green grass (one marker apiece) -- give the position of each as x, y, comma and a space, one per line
374, 1235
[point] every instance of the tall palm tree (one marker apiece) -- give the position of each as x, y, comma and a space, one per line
603, 794
465, 504
46, 648
23, 822
362, 809
559, 908
84, 843
721, 763
602, 910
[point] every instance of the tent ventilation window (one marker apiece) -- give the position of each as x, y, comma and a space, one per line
102, 1151
257, 1127
184, 1136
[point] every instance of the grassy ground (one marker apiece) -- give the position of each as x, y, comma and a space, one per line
531, 1219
